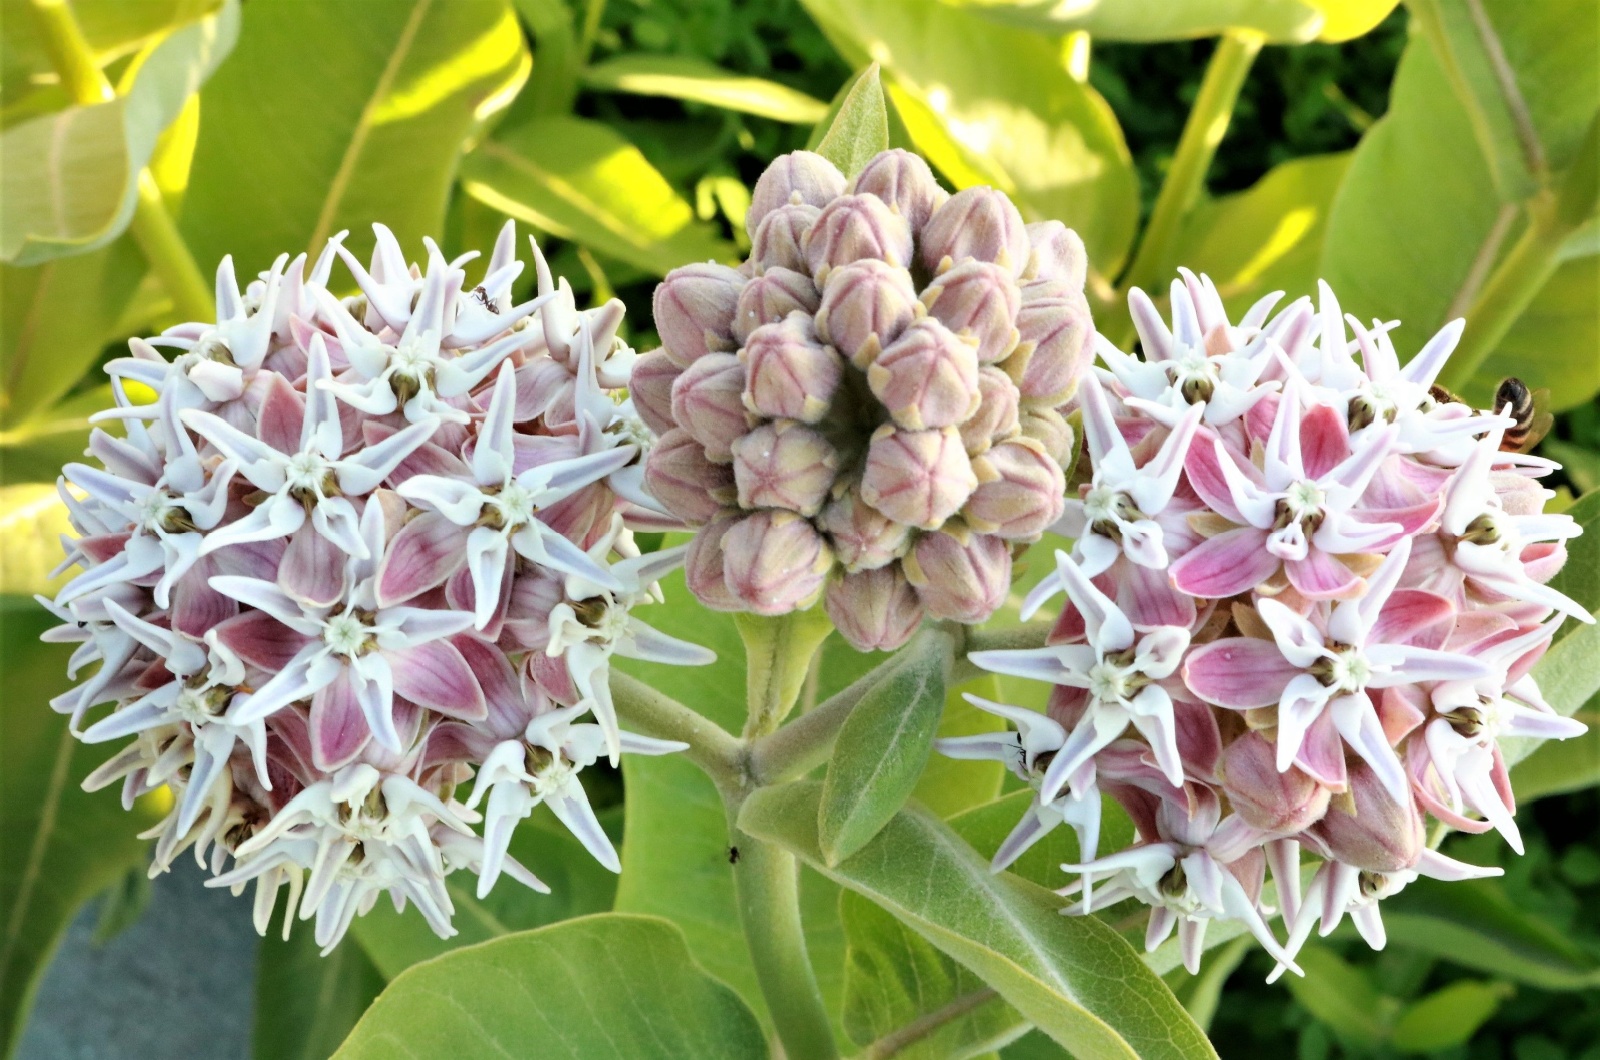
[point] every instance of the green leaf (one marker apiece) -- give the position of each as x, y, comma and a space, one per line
986, 827
113, 28
122, 904
595, 988
333, 116
1203, 993
579, 180
1447, 1017
553, 85
882, 748
1281, 21
1557, 767
947, 785
1073, 977
860, 127
894, 978
32, 520
71, 178
1341, 996
306, 1003
688, 78
993, 104
1540, 349
62, 844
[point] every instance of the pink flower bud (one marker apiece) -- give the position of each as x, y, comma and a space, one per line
979, 302
677, 474
919, 478
1048, 427
797, 177
703, 564
1282, 803
1366, 828
775, 562
708, 402
863, 537
976, 223
875, 610
927, 377
960, 575
1054, 350
853, 227
904, 181
865, 306
772, 296
996, 418
788, 373
1021, 491
651, 389
694, 309
1056, 254
779, 241
784, 465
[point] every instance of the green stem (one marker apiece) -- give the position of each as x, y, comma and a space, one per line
718, 754
152, 226
1202, 132
777, 652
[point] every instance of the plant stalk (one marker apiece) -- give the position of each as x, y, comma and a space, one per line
777, 653
718, 754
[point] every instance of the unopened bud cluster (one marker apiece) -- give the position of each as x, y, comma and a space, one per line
1304, 595
869, 410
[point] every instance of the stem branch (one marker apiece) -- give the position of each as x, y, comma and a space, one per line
898, 1041
718, 754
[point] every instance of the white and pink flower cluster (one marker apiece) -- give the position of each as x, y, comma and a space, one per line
1304, 596
355, 554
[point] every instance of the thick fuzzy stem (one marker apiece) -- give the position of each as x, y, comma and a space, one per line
777, 654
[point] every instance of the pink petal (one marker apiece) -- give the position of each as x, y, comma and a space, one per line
313, 568
1238, 672
196, 607
1321, 754
1324, 440
1321, 577
338, 729
1147, 597
425, 552
1411, 616
261, 640
508, 709
1206, 478
1225, 565
281, 415
435, 675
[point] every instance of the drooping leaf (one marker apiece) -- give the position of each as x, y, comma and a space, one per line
71, 178
1073, 977
1447, 1017
62, 845
580, 180
604, 987
883, 747
333, 116
859, 129
893, 977
306, 1003
993, 104
686, 78
1342, 997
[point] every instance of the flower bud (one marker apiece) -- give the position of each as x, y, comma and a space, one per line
703, 564
788, 373
1282, 803
996, 418
960, 575
919, 478
904, 181
797, 177
775, 562
1049, 428
694, 309
677, 474
1056, 253
784, 465
853, 227
865, 306
875, 610
863, 537
779, 241
650, 386
1054, 350
927, 377
772, 296
708, 402
976, 223
1021, 491
979, 302
1366, 828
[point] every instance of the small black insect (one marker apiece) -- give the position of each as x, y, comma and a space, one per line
733, 855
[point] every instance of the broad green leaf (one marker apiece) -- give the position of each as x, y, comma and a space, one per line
32, 520
986, 827
893, 977
1072, 976
1447, 1017
883, 747
604, 987
61, 845
1546, 347
1557, 767
859, 129
557, 64
950, 785
1342, 997
1475, 924
1203, 993
993, 104
113, 28
579, 180
687, 78
306, 1003
1281, 21
71, 178
35, 450
333, 116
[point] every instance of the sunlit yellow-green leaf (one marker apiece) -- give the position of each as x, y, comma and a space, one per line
683, 77
32, 518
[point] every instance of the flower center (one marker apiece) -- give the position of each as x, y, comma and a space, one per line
1114, 679
509, 508
160, 513
1301, 503
349, 634
201, 701
1196, 377
1347, 670
309, 477
1107, 510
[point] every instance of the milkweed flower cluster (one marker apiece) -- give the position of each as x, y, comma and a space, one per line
1304, 595
869, 409
358, 555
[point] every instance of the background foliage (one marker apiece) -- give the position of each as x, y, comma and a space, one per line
1430, 161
